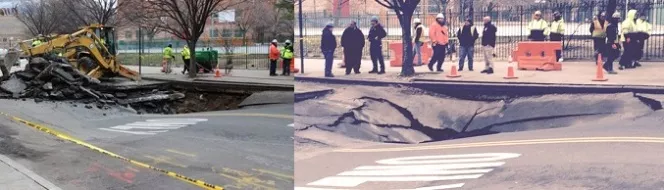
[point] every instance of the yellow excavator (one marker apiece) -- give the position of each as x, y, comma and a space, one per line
91, 50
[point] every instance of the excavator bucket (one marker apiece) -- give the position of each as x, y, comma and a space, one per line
128, 73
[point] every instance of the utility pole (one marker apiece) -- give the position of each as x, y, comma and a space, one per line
301, 40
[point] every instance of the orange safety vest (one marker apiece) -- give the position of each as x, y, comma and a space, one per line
274, 52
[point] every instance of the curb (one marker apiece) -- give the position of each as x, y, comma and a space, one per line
28, 173
502, 88
302, 96
224, 86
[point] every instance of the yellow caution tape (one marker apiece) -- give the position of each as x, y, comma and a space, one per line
63, 136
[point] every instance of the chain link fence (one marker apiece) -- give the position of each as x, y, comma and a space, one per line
511, 22
243, 53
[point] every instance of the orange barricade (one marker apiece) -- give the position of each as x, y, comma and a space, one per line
537, 56
396, 50
292, 66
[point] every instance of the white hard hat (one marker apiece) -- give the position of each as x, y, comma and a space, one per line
538, 12
275, 41
440, 15
616, 15
288, 41
417, 20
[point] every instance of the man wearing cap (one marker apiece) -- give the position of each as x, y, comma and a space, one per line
287, 57
327, 46
274, 57
417, 45
488, 44
598, 32
612, 49
538, 28
467, 36
352, 40
439, 36
557, 32
375, 37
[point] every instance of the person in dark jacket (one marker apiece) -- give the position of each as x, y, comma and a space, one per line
598, 32
417, 45
612, 49
467, 36
352, 40
327, 46
488, 44
375, 37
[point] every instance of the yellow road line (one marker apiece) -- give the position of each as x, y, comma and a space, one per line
180, 153
516, 142
247, 181
165, 160
274, 173
65, 137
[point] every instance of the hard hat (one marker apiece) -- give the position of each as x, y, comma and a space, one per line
440, 15
288, 41
374, 18
275, 41
616, 15
330, 24
417, 20
538, 12
556, 13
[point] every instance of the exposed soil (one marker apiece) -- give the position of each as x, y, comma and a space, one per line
204, 101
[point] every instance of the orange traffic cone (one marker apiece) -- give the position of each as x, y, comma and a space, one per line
217, 73
510, 70
453, 73
599, 75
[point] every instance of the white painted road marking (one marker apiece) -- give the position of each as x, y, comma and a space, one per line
418, 169
154, 126
291, 125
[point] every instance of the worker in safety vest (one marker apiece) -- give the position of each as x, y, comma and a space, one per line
168, 59
417, 41
612, 49
538, 28
186, 56
37, 41
274, 57
287, 57
643, 32
598, 32
439, 35
629, 39
557, 32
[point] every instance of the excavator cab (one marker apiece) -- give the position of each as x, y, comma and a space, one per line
107, 35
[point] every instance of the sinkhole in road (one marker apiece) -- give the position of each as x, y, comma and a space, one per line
409, 115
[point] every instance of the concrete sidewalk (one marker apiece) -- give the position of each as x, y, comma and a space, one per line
237, 76
572, 73
15, 176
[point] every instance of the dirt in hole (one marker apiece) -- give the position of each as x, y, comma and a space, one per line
205, 101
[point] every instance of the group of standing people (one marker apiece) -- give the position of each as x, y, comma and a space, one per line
353, 42
168, 57
286, 54
610, 36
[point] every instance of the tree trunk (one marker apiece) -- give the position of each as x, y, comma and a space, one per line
192, 61
407, 62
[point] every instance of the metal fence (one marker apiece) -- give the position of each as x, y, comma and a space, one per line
244, 54
512, 26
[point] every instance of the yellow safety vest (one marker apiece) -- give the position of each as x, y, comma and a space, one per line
599, 31
558, 27
286, 53
538, 25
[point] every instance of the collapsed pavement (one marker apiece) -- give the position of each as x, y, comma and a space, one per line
56, 80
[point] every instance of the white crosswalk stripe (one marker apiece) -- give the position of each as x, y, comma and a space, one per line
154, 126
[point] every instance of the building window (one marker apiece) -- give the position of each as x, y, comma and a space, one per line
128, 34
238, 33
227, 33
214, 33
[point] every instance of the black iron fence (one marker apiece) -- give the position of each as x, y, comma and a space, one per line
244, 54
511, 22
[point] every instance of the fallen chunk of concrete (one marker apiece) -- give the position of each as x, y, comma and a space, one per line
14, 85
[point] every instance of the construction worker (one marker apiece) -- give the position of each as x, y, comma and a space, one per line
439, 35
287, 57
37, 41
629, 39
612, 50
352, 40
489, 44
643, 30
598, 32
168, 59
186, 56
375, 37
538, 29
557, 32
327, 46
274, 57
467, 35
417, 39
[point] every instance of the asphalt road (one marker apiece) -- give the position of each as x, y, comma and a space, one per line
616, 153
249, 148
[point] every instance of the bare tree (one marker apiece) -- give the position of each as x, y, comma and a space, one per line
38, 17
247, 19
87, 12
404, 10
186, 19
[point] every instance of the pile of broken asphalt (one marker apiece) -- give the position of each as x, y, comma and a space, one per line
57, 80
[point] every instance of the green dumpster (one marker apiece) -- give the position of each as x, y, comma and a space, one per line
207, 59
